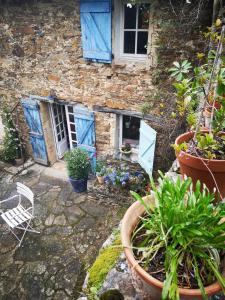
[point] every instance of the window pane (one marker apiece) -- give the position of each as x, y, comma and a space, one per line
56, 120
57, 129
63, 135
60, 118
73, 136
130, 16
129, 42
61, 126
74, 144
70, 109
71, 117
131, 126
143, 16
59, 137
72, 127
142, 42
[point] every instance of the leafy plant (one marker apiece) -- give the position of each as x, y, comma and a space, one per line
101, 168
180, 69
126, 147
180, 147
185, 228
78, 163
12, 147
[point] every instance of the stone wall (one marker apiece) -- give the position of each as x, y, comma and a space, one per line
40, 51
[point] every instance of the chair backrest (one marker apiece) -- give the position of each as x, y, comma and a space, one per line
26, 192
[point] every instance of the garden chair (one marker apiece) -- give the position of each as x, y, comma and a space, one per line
20, 216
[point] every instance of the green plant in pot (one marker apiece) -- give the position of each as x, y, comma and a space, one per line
101, 171
126, 149
201, 151
78, 167
174, 241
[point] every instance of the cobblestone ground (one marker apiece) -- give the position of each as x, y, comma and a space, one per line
51, 265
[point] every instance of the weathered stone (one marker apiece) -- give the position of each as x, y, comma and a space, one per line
49, 220
60, 220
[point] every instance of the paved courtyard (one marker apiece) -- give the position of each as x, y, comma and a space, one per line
52, 264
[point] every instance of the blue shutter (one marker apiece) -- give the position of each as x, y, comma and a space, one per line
146, 147
33, 120
96, 22
85, 130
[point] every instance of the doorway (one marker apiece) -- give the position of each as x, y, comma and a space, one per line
58, 117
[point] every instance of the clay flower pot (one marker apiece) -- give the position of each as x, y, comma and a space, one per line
148, 286
195, 167
100, 179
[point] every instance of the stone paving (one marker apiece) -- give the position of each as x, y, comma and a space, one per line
52, 264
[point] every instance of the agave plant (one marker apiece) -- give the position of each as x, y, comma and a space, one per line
185, 225
180, 69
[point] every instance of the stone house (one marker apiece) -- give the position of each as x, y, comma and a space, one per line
94, 74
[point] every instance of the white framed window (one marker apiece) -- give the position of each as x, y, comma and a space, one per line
129, 133
131, 31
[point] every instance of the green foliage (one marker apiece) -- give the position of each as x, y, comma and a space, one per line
192, 120
180, 147
146, 107
209, 146
186, 226
78, 163
101, 168
180, 69
102, 265
11, 148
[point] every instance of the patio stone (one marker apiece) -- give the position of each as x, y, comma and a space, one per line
60, 220
51, 264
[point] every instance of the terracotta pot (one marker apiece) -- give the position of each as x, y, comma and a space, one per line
149, 287
100, 179
195, 168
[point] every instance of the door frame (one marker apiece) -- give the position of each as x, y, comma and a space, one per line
51, 113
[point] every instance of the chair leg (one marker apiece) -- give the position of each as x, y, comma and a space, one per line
25, 230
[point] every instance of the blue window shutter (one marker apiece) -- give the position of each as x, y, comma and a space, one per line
85, 131
33, 120
96, 21
146, 147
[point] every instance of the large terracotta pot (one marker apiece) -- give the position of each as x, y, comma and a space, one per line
194, 167
147, 286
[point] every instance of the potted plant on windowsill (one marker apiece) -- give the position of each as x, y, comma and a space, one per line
201, 154
174, 242
126, 149
78, 167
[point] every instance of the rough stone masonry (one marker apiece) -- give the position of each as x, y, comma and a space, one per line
40, 51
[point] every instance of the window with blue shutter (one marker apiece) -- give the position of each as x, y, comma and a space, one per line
96, 22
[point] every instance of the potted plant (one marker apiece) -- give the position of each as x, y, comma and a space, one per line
78, 166
174, 242
201, 154
100, 171
126, 149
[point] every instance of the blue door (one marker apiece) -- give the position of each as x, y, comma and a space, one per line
146, 147
33, 120
85, 132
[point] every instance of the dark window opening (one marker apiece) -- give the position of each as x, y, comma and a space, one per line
130, 130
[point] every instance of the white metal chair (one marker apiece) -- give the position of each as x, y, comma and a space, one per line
20, 217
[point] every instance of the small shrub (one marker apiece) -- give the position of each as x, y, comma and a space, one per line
78, 163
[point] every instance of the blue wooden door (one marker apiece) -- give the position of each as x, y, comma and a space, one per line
85, 131
146, 147
96, 29
33, 119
